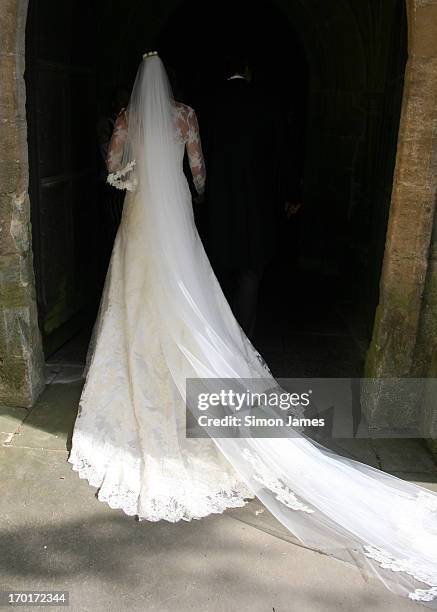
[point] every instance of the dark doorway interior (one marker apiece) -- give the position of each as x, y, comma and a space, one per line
61, 109
313, 320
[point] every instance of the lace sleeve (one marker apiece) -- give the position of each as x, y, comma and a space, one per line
116, 144
117, 176
195, 154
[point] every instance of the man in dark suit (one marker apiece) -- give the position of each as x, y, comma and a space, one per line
250, 177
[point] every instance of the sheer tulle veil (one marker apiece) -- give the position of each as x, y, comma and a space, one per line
330, 503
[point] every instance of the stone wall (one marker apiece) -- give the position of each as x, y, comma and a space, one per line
21, 356
404, 340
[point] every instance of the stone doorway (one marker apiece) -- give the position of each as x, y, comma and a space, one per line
356, 59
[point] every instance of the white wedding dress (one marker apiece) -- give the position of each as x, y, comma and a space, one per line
129, 439
163, 318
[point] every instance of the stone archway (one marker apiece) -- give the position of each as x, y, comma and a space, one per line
404, 336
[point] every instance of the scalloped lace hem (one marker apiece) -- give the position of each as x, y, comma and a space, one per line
189, 506
424, 575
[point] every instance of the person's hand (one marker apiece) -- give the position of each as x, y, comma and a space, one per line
291, 208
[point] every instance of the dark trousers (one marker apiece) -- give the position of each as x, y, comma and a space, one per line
241, 286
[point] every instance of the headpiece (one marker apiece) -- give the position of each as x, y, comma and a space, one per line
150, 54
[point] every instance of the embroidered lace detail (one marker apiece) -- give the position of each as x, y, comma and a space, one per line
173, 509
387, 561
187, 136
282, 493
111, 475
117, 496
116, 179
187, 132
424, 594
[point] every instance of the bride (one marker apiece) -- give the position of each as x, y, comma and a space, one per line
163, 319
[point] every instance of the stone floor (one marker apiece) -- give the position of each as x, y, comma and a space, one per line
56, 535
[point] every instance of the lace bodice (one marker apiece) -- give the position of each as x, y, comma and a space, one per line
187, 135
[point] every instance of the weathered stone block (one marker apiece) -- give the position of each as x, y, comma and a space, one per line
426, 24
21, 357
11, 14
391, 405
15, 230
18, 386
14, 282
429, 407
